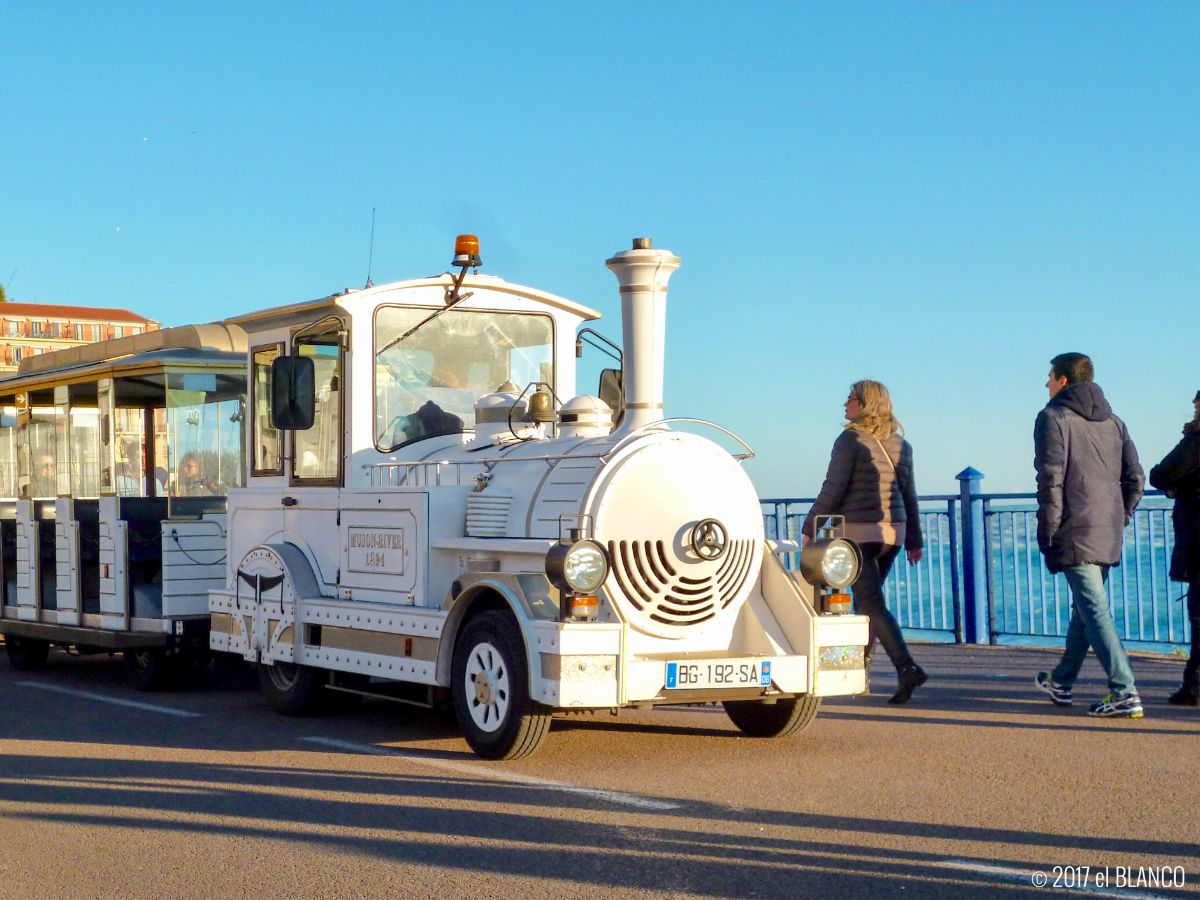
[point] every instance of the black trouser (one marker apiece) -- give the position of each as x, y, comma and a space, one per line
1191, 672
869, 601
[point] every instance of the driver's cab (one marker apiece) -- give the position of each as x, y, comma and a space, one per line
389, 374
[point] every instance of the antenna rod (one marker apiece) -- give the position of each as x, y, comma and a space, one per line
371, 254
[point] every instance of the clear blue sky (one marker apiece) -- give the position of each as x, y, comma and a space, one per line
938, 195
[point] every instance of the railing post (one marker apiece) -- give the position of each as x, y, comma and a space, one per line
956, 603
975, 600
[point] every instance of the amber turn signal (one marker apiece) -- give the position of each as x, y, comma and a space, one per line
838, 603
585, 607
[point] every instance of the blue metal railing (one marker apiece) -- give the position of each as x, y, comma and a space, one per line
926, 598
983, 580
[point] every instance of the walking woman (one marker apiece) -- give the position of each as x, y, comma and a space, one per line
870, 483
1179, 475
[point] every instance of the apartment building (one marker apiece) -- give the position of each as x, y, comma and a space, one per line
31, 328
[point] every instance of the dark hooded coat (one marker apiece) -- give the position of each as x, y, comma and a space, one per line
1089, 480
1179, 475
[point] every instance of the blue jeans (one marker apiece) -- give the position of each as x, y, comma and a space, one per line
1092, 625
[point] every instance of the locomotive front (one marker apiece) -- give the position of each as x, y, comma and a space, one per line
667, 591
682, 530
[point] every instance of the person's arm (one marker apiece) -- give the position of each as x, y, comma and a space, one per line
1050, 463
837, 480
1133, 479
914, 540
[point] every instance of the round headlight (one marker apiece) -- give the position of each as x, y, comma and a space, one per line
585, 567
839, 565
830, 563
580, 567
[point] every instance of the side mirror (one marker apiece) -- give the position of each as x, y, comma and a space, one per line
612, 392
293, 392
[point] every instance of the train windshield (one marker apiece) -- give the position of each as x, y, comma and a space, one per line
427, 383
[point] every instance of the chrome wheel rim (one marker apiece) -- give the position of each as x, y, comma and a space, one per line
487, 687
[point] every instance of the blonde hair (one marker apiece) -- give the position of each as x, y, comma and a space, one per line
874, 411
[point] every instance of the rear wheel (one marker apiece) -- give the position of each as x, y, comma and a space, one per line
26, 654
491, 690
768, 720
292, 689
149, 669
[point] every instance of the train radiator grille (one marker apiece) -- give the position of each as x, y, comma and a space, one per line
654, 583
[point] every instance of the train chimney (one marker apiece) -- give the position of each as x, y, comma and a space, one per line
643, 273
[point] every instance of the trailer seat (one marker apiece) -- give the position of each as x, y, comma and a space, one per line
147, 599
47, 568
144, 517
87, 514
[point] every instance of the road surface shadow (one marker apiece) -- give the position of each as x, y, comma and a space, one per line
462, 823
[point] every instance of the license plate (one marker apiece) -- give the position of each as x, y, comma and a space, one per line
718, 673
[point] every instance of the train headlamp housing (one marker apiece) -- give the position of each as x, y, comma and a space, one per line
833, 563
578, 567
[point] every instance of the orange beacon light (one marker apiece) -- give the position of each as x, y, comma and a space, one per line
466, 251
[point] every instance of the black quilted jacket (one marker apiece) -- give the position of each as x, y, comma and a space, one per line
1179, 475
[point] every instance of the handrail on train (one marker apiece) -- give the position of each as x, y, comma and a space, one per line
416, 473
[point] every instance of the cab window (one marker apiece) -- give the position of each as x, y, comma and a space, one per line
266, 441
427, 382
318, 450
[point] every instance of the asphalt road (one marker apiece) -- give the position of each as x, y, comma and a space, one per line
968, 791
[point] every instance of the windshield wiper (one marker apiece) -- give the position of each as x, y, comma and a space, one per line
453, 298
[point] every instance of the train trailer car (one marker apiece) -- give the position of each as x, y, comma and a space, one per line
425, 519
115, 460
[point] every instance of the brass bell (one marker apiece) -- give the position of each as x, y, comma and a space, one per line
541, 407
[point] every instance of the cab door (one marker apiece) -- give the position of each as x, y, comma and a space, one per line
311, 508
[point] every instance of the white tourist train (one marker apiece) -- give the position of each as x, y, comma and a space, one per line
115, 460
423, 519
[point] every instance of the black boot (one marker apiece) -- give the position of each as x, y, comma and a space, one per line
1185, 696
1189, 692
910, 679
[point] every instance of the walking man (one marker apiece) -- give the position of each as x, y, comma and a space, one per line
1089, 482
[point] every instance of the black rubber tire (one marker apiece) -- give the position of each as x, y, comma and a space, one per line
523, 723
292, 689
26, 654
149, 669
768, 720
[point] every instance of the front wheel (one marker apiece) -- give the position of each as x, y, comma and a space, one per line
491, 690
292, 689
26, 654
768, 720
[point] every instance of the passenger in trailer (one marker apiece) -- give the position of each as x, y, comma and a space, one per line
43, 483
192, 480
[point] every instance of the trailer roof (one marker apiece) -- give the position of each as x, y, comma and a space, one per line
187, 346
213, 336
